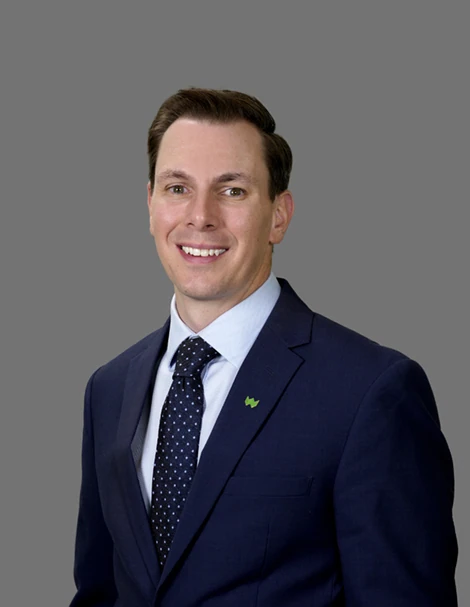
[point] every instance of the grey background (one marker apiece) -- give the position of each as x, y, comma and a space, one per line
374, 99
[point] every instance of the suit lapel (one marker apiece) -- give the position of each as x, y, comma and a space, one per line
137, 391
264, 375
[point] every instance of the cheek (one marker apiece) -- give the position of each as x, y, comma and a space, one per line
249, 223
257, 229
161, 222
156, 228
153, 225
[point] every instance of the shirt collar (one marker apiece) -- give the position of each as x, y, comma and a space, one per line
233, 333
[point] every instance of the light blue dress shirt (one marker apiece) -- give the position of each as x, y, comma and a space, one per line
232, 334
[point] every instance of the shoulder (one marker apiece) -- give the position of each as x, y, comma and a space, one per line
352, 362
344, 367
350, 347
341, 362
358, 362
116, 368
325, 342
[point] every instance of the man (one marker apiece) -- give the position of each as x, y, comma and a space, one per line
252, 452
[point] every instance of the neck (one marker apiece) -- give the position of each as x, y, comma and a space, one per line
199, 313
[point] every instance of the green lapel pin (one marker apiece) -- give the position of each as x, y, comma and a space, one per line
251, 402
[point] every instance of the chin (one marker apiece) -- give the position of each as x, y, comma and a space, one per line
203, 292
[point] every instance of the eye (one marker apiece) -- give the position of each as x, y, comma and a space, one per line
235, 192
177, 189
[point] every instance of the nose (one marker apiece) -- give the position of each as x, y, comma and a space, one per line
203, 212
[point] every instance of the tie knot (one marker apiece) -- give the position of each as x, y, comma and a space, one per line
192, 356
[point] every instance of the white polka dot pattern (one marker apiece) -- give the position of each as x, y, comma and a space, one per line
178, 442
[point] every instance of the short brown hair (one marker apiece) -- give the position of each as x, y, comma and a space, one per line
224, 106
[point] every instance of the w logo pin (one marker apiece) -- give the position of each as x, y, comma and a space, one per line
251, 402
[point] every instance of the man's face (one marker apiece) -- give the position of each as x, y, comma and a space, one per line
210, 211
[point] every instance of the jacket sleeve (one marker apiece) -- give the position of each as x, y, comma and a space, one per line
93, 571
393, 498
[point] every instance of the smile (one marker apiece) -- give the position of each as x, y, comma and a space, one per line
203, 252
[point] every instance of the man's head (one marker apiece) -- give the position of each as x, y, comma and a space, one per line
217, 199
222, 106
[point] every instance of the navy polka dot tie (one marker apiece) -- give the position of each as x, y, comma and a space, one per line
178, 442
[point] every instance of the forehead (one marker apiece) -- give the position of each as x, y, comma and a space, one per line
199, 146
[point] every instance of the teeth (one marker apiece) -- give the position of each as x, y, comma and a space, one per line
203, 252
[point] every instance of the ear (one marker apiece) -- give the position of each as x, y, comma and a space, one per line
282, 215
149, 205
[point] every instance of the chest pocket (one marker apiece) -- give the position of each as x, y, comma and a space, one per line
268, 486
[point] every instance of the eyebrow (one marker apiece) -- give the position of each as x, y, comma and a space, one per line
227, 177
223, 178
172, 174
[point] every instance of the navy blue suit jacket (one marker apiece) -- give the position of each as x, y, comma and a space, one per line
336, 489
